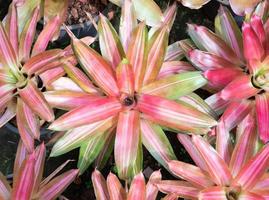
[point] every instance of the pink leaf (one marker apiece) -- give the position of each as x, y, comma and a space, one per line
40, 154
5, 188
13, 28
156, 53
32, 121
219, 78
137, 53
223, 142
213, 193
79, 78
262, 109
217, 168
235, 113
27, 36
8, 56
138, 188
125, 77
250, 196
51, 75
126, 142
36, 101
217, 103
179, 116
92, 112
180, 188
20, 157
151, 188
251, 173
99, 185
9, 113
23, 184
186, 141
68, 100
190, 173
43, 60
243, 84
257, 26
128, 23
55, 187
115, 190
253, 48
88, 58
23, 127
46, 35
209, 61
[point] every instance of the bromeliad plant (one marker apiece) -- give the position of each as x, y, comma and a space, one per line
111, 189
28, 174
132, 102
21, 63
227, 173
236, 65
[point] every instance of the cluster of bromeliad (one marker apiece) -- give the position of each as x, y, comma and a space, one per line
132, 92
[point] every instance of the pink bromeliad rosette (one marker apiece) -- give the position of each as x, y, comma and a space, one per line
236, 66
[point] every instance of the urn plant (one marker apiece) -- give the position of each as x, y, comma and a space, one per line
239, 173
20, 66
131, 102
28, 182
235, 65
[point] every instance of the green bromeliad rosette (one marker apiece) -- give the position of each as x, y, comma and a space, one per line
133, 102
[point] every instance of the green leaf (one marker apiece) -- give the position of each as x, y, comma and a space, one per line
148, 11
157, 143
195, 37
110, 44
174, 52
105, 153
138, 164
25, 10
197, 102
116, 2
227, 28
90, 149
75, 137
174, 86
55, 7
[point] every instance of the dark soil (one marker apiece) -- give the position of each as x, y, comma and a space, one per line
4, 4
8, 146
77, 10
